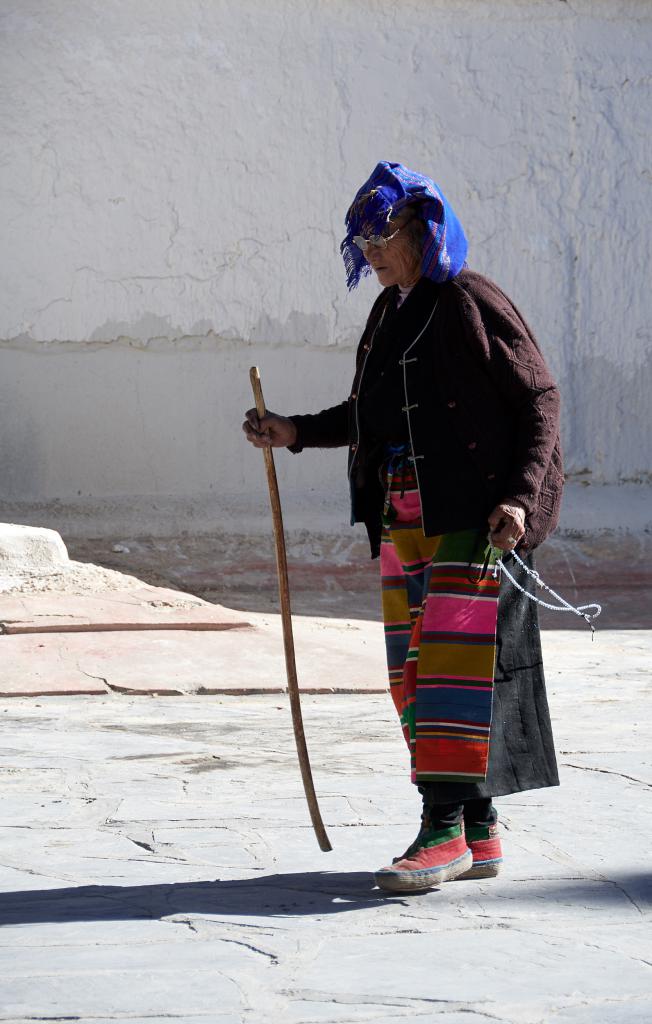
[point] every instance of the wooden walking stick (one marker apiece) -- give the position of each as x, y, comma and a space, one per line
286, 618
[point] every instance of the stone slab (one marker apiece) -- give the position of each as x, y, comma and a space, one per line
332, 656
38, 666
142, 608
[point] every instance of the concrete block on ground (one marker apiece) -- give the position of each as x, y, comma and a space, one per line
30, 549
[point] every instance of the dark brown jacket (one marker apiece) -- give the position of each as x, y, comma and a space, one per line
482, 408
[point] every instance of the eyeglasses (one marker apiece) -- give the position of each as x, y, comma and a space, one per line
378, 240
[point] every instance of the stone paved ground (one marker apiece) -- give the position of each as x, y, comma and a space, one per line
157, 864
156, 857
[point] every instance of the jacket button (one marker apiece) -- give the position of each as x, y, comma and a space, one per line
354, 395
452, 404
471, 445
353, 447
365, 348
491, 476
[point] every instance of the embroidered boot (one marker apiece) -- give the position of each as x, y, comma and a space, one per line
418, 842
442, 854
484, 843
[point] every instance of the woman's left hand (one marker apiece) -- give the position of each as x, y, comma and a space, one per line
507, 526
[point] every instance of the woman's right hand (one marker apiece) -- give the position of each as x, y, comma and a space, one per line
269, 431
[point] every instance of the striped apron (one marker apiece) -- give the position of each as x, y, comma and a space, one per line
440, 606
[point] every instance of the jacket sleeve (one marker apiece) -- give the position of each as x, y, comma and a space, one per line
495, 329
326, 429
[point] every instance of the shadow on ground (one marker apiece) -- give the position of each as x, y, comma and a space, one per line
285, 895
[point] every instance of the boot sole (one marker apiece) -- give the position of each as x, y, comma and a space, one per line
488, 870
414, 881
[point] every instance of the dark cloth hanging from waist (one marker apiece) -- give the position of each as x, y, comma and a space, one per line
521, 745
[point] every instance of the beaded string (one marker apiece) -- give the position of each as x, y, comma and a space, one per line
582, 610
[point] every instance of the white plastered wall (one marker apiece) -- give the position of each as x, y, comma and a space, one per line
174, 181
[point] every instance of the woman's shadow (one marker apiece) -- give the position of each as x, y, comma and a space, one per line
283, 895
288, 895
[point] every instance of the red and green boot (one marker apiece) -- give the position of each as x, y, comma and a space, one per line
437, 855
484, 844
417, 843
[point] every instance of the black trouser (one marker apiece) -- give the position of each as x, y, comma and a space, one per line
473, 812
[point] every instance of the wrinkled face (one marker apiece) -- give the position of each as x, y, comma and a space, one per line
400, 261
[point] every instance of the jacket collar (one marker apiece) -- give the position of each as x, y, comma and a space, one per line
409, 319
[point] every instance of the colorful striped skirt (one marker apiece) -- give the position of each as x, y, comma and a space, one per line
440, 607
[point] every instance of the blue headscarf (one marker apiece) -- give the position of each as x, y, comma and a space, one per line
390, 188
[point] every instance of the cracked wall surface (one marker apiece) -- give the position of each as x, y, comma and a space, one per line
174, 184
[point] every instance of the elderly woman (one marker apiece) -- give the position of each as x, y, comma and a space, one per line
454, 458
